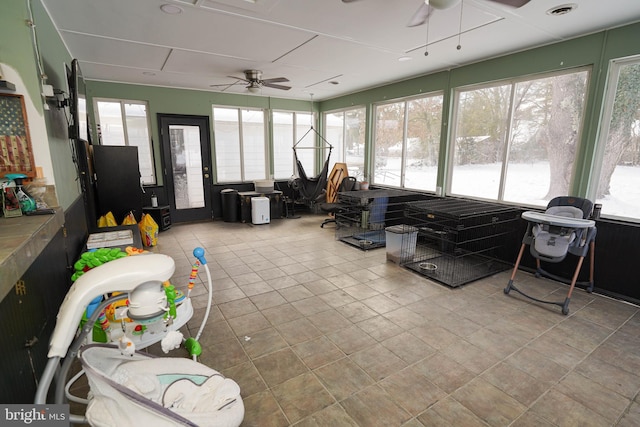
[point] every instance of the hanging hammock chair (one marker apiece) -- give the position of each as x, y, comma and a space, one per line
311, 189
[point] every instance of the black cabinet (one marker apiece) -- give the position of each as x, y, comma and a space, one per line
117, 181
161, 215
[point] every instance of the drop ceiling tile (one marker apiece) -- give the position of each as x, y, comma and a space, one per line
115, 52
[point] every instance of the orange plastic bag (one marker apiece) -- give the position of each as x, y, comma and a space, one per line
148, 230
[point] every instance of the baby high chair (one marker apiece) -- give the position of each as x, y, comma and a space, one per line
563, 228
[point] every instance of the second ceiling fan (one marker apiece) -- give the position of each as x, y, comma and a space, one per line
428, 6
255, 80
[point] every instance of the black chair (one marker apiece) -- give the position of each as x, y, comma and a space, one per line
348, 183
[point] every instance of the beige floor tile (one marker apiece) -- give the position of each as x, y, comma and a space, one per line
561, 410
263, 342
444, 372
276, 368
374, 407
408, 348
262, 410
296, 321
301, 396
589, 393
351, 339
343, 378
412, 391
318, 352
448, 412
612, 377
488, 402
333, 415
378, 361
516, 383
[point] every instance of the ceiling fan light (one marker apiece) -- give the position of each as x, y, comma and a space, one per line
253, 89
442, 4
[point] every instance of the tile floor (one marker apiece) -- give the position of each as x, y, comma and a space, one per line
319, 333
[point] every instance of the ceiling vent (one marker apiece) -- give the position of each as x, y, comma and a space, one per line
562, 10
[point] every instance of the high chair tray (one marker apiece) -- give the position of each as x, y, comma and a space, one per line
558, 221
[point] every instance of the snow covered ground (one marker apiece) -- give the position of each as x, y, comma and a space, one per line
527, 184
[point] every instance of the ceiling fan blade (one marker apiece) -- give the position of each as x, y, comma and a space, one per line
512, 3
239, 78
421, 15
276, 80
271, 85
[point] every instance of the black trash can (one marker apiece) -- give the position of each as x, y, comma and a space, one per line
230, 201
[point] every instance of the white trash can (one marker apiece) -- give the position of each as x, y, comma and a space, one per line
401, 243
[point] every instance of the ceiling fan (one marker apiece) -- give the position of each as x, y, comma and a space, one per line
255, 80
428, 6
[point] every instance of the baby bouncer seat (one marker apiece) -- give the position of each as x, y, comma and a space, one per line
141, 389
564, 228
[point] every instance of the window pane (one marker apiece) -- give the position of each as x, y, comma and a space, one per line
355, 125
111, 127
479, 141
307, 157
227, 141
138, 136
544, 138
82, 118
618, 190
253, 145
283, 162
334, 132
388, 144
423, 143
131, 130
186, 160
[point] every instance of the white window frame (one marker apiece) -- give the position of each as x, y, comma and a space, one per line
605, 122
403, 165
152, 180
507, 140
241, 138
340, 154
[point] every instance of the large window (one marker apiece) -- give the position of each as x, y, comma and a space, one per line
617, 182
288, 127
240, 144
123, 122
407, 141
517, 141
345, 130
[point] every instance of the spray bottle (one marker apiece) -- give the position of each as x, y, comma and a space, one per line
27, 203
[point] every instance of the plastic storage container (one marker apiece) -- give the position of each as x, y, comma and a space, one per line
401, 243
263, 186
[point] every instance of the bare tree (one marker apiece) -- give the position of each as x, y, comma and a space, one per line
626, 113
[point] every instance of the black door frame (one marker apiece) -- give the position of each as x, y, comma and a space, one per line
196, 214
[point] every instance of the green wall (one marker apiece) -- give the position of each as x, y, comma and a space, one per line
17, 51
184, 101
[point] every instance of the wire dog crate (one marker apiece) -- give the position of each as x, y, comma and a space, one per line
366, 213
460, 241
